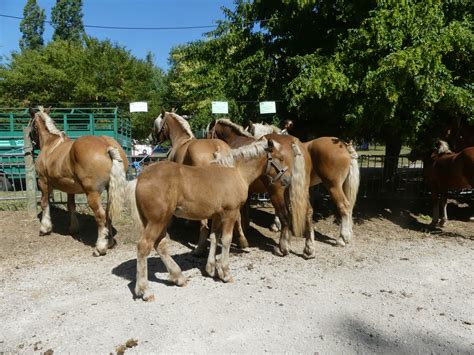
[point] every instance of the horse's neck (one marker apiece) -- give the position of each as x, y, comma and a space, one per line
178, 136
251, 169
233, 138
48, 139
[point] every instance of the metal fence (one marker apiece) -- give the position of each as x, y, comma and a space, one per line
406, 183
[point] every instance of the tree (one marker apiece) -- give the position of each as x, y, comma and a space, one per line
32, 26
94, 73
66, 18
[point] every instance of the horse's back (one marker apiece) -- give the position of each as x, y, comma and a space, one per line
201, 152
452, 170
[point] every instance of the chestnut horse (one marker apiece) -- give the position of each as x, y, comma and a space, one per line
216, 191
445, 170
89, 164
188, 150
291, 147
332, 162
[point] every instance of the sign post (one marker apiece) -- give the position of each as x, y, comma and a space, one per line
267, 107
220, 107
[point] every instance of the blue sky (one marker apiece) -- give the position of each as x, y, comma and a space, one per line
126, 13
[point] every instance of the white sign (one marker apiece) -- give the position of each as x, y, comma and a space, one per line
267, 107
141, 106
220, 107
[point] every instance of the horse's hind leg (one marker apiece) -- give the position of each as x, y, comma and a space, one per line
150, 237
444, 217
176, 276
243, 243
309, 251
46, 225
73, 222
435, 202
93, 198
343, 207
211, 258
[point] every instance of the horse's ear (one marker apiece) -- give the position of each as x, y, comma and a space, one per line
270, 144
32, 112
163, 112
174, 110
47, 110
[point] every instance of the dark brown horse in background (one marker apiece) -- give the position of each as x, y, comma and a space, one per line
333, 163
445, 170
89, 164
186, 149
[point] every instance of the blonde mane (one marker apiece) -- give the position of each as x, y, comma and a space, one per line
49, 123
261, 129
245, 152
443, 147
159, 121
228, 123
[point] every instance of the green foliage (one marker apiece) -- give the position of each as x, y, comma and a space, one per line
95, 73
66, 18
32, 26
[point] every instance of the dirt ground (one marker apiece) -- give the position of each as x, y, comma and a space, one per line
395, 289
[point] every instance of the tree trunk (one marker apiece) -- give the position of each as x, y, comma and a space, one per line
392, 152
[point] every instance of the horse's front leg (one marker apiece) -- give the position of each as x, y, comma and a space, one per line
222, 266
243, 242
93, 198
276, 224
73, 222
46, 225
444, 204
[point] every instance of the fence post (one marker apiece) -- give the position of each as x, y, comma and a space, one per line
29, 173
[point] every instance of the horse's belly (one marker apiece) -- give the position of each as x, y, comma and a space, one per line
315, 180
67, 185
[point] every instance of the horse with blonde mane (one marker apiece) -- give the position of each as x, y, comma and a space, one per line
332, 162
186, 149
291, 205
89, 165
216, 191
445, 170
261, 129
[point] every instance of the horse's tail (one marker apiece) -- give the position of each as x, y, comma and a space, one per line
117, 184
298, 192
351, 184
137, 221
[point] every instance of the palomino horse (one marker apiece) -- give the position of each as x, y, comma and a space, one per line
291, 147
188, 150
445, 170
333, 163
216, 191
89, 165
260, 129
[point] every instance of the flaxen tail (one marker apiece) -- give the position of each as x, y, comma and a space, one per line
298, 193
117, 184
351, 184
131, 188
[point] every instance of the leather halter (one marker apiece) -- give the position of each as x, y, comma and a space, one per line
156, 136
280, 171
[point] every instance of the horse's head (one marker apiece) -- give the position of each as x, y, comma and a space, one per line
37, 121
277, 168
160, 132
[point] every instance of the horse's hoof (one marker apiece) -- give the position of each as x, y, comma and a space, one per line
443, 223
180, 281
340, 243
210, 269
309, 254
274, 228
278, 252
243, 244
112, 243
98, 252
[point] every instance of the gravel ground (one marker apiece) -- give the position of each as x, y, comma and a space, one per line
395, 289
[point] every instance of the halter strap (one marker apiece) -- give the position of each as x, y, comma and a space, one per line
280, 171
